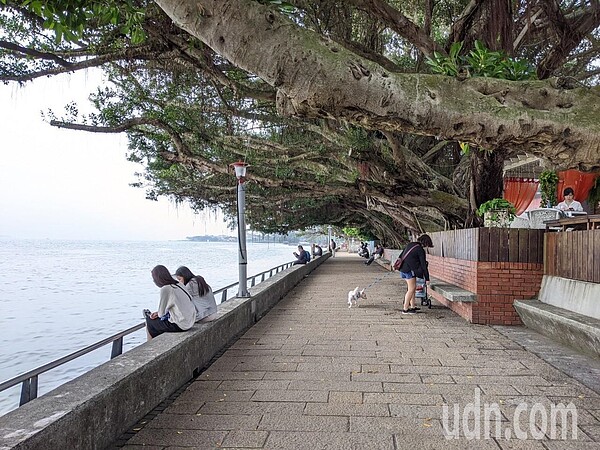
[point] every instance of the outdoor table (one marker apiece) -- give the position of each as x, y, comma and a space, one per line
577, 222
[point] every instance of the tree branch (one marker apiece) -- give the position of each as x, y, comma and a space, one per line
34, 53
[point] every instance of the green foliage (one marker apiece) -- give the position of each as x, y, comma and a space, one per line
71, 19
496, 204
447, 65
498, 212
284, 7
548, 185
358, 233
594, 195
480, 62
465, 148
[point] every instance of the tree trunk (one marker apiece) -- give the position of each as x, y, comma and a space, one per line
316, 77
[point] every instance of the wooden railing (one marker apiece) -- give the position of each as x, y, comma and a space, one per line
570, 254
490, 245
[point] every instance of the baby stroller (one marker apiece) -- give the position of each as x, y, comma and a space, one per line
421, 292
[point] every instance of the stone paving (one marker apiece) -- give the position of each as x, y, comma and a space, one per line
313, 374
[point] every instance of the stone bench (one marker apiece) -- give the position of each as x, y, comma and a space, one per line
570, 328
451, 292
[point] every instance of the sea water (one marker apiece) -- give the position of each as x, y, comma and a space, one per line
57, 297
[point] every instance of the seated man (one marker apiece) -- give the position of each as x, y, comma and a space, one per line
378, 253
318, 250
302, 257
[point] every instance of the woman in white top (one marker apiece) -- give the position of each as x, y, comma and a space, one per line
201, 292
176, 311
569, 203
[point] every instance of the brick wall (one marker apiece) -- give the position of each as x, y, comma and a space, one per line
497, 285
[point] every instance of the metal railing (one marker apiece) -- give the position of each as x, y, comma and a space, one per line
29, 380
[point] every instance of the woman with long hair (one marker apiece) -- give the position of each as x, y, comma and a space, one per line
414, 265
176, 311
201, 293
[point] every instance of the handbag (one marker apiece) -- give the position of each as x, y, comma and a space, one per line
402, 257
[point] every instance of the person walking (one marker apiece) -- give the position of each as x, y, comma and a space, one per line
332, 247
414, 264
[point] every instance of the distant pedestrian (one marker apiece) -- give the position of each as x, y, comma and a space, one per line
176, 311
332, 247
378, 253
202, 294
414, 265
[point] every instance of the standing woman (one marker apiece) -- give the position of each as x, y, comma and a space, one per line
176, 311
414, 265
201, 292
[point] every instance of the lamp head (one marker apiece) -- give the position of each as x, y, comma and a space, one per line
240, 169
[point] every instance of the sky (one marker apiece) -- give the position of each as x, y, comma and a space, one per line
65, 184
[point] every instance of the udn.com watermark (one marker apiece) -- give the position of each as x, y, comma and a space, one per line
477, 421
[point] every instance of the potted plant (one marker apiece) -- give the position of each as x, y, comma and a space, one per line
548, 184
497, 212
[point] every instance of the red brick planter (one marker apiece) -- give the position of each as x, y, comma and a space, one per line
496, 284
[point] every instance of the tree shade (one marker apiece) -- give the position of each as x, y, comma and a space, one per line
333, 103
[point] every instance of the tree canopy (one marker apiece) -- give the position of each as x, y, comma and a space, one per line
350, 112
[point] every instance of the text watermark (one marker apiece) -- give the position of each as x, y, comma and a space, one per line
477, 421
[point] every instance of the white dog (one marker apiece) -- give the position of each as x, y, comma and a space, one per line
355, 296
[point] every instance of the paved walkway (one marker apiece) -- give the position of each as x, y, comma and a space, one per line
314, 374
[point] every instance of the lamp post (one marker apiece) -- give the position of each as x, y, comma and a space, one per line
329, 237
240, 173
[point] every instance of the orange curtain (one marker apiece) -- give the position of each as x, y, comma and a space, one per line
581, 183
520, 192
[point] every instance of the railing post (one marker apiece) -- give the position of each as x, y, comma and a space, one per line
117, 348
29, 390
224, 295
253, 282
263, 277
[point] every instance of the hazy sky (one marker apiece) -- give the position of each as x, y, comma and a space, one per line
64, 184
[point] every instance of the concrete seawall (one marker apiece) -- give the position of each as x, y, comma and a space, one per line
93, 410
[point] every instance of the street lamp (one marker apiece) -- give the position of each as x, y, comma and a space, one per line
240, 173
329, 237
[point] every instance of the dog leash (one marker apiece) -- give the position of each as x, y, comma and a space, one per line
377, 280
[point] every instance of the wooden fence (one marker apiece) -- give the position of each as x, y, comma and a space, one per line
573, 254
490, 245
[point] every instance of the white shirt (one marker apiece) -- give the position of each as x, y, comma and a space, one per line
175, 300
575, 206
205, 305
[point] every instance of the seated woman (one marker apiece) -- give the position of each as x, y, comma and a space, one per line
176, 311
202, 294
318, 250
569, 203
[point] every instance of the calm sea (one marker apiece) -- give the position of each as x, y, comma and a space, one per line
59, 296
